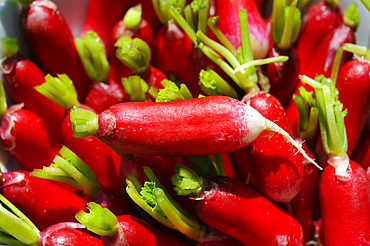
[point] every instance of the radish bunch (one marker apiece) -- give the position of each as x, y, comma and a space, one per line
203, 122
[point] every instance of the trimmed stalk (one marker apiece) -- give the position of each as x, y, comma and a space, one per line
134, 53
351, 16
196, 14
132, 17
9, 47
331, 121
69, 168
91, 50
160, 205
162, 8
219, 34
171, 92
16, 228
135, 87
213, 84
60, 90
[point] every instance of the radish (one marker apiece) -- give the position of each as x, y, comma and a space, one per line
353, 86
253, 219
125, 229
284, 77
99, 157
320, 19
44, 202
321, 61
344, 186
20, 75
171, 45
69, 168
52, 42
102, 15
25, 135
17, 229
228, 22
147, 127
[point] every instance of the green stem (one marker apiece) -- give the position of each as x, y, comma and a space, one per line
277, 20
358, 50
366, 4
98, 220
351, 16
134, 53
16, 228
84, 122
60, 90
162, 9
70, 167
213, 84
291, 27
206, 167
91, 50
186, 181
9, 46
135, 87
218, 48
3, 102
132, 17
171, 92
219, 34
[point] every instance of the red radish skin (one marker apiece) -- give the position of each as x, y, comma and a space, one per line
320, 19
343, 204
102, 15
275, 168
147, 127
97, 155
321, 61
283, 76
253, 220
225, 242
228, 22
67, 236
171, 51
353, 84
43, 202
103, 95
20, 76
304, 204
27, 138
52, 42
134, 229
361, 153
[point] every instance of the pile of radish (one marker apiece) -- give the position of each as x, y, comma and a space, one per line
179, 122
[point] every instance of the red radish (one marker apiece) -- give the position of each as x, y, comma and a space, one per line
284, 76
228, 22
344, 186
68, 168
19, 230
40, 200
99, 157
25, 135
234, 208
101, 16
361, 153
321, 61
171, 45
125, 229
354, 92
275, 168
20, 76
320, 19
225, 242
135, 55
52, 42
147, 127
318, 232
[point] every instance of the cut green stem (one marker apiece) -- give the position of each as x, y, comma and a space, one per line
9, 47
132, 17
213, 84
84, 122
135, 87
